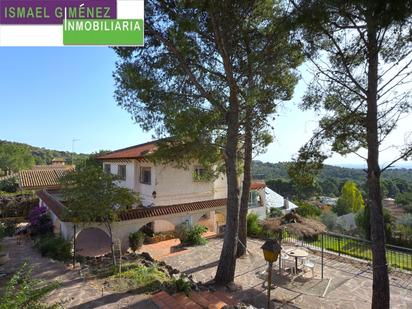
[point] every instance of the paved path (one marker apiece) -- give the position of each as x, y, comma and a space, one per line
347, 289
74, 292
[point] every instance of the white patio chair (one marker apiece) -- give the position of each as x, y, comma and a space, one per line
288, 263
308, 264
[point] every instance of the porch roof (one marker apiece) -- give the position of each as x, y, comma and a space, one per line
58, 208
157, 211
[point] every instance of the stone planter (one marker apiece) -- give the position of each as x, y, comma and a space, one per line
4, 258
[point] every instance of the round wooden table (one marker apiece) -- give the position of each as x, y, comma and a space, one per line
297, 253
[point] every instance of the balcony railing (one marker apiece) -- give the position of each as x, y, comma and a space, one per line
343, 245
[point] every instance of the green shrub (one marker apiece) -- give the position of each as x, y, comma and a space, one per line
136, 240
9, 227
181, 231
307, 210
9, 185
55, 247
182, 285
25, 292
139, 277
191, 235
275, 212
329, 219
254, 228
194, 235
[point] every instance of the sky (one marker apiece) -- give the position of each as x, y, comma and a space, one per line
50, 96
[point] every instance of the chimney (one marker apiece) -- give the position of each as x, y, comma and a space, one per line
58, 162
285, 203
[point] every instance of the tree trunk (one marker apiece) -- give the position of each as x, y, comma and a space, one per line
244, 201
381, 294
109, 228
227, 263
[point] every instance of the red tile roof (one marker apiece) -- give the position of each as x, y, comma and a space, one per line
156, 211
42, 178
58, 208
52, 203
257, 185
133, 152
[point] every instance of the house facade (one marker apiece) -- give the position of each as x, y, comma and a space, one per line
169, 196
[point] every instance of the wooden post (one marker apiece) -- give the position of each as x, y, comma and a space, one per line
339, 245
74, 246
269, 282
321, 268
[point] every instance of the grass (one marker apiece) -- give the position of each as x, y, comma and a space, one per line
138, 277
362, 250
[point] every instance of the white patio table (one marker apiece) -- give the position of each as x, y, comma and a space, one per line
297, 253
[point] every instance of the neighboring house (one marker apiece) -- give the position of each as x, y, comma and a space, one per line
327, 200
394, 210
275, 200
40, 177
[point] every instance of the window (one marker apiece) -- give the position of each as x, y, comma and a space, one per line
107, 168
121, 172
199, 174
253, 199
146, 175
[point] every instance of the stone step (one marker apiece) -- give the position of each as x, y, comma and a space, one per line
165, 301
195, 300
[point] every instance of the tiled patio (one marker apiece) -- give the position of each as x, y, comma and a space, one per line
74, 292
350, 283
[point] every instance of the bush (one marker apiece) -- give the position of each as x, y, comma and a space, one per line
136, 240
194, 235
307, 210
183, 285
329, 219
275, 212
181, 231
254, 228
40, 222
8, 228
140, 277
9, 185
25, 292
191, 235
158, 237
55, 248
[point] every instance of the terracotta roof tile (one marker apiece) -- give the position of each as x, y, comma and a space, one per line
133, 152
52, 203
171, 209
42, 179
257, 185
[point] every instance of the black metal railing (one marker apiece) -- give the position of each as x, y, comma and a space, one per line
343, 245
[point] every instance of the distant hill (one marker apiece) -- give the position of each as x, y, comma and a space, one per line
267, 171
45, 156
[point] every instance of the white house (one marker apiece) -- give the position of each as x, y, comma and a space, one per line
275, 200
169, 196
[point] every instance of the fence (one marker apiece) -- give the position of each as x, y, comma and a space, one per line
343, 245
